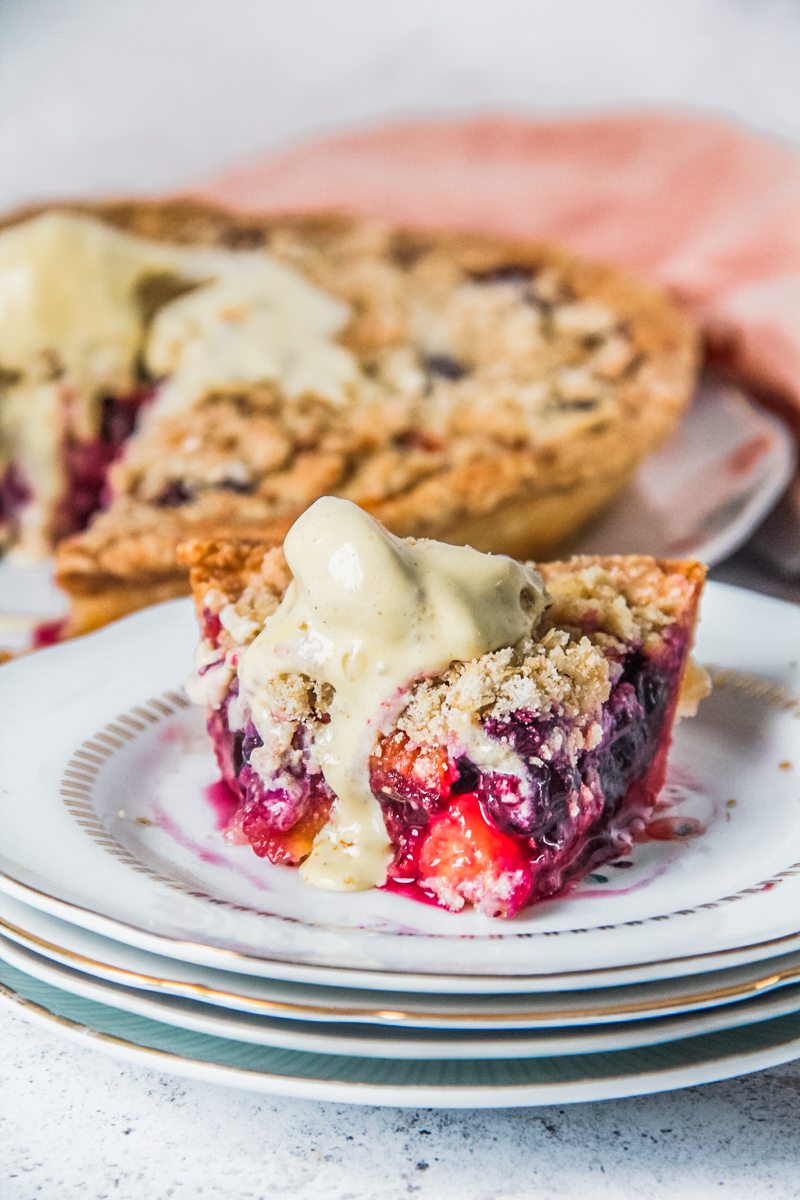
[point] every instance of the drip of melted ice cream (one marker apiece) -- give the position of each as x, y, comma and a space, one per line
365, 614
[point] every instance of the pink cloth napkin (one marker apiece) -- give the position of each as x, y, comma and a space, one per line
706, 209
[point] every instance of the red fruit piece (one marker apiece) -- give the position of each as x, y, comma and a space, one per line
429, 767
465, 859
284, 845
212, 626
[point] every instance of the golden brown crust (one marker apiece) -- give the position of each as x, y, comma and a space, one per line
92, 610
630, 596
183, 221
230, 567
469, 462
641, 575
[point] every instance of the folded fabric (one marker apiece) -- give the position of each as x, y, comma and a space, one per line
706, 209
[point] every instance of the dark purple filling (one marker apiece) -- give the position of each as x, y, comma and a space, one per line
632, 720
539, 809
86, 462
268, 812
407, 804
15, 493
549, 808
563, 817
174, 494
178, 492
241, 487
279, 807
445, 366
511, 273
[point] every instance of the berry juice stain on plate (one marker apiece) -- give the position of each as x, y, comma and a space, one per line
223, 801
696, 810
228, 856
178, 835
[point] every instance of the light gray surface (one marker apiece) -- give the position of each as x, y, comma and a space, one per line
140, 94
74, 1123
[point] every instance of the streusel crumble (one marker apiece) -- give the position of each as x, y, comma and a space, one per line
456, 386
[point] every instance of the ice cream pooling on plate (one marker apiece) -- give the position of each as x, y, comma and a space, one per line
365, 614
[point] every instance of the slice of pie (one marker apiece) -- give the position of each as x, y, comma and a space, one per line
456, 386
426, 718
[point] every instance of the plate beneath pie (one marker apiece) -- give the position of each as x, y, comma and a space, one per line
424, 1081
105, 821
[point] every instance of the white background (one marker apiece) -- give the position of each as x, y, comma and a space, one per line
121, 95
139, 94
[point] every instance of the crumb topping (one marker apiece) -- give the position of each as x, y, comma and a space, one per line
488, 373
566, 667
555, 674
627, 601
483, 368
444, 355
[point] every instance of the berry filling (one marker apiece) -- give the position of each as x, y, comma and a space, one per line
465, 835
174, 494
47, 633
279, 818
510, 273
15, 493
445, 366
500, 841
86, 462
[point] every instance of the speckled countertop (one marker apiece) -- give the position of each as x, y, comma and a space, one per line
137, 95
74, 1123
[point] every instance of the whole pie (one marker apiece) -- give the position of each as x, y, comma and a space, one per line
191, 372
457, 726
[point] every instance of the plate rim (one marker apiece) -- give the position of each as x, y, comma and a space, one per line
713, 1068
520, 1043
776, 979
714, 548
388, 980
214, 954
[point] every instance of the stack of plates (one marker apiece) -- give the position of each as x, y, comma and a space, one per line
127, 920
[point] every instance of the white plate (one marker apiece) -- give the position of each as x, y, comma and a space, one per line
103, 822
64, 941
116, 963
28, 597
437, 1083
374, 1041
704, 492
700, 496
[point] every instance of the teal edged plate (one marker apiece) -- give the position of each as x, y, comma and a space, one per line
433, 1083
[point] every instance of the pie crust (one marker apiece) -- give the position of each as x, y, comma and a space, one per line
507, 391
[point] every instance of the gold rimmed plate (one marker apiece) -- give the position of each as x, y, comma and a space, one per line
430, 1083
396, 1041
114, 962
102, 754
